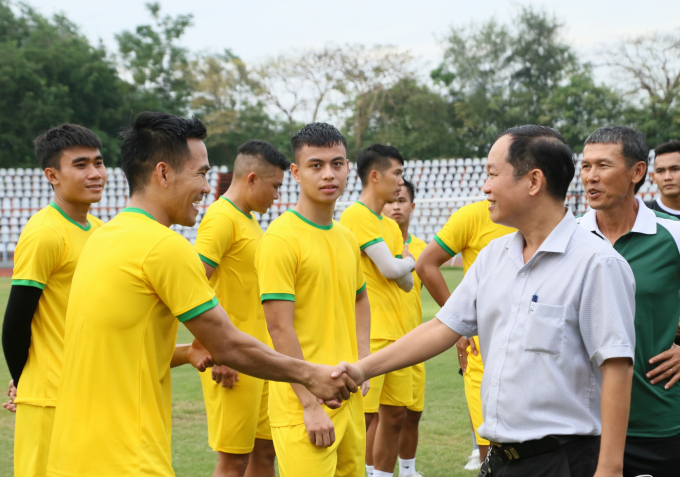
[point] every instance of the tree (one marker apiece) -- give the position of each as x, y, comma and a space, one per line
649, 66
50, 74
156, 63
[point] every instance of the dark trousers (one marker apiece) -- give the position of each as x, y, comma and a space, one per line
577, 458
659, 457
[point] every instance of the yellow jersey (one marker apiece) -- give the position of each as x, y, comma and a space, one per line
319, 268
45, 258
136, 278
412, 301
227, 240
468, 231
388, 320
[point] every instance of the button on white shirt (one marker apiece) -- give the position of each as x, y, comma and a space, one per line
542, 374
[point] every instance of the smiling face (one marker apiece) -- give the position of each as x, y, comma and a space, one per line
666, 174
400, 210
321, 172
607, 179
505, 194
186, 187
81, 176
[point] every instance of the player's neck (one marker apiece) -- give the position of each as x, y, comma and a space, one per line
77, 211
153, 208
404, 230
320, 213
671, 202
618, 220
372, 201
236, 196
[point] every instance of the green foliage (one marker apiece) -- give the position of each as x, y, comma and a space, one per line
50, 74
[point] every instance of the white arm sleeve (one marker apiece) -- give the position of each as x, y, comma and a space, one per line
405, 282
391, 268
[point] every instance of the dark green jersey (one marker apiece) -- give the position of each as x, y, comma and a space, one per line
652, 249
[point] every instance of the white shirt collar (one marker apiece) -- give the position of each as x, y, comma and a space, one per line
645, 222
556, 241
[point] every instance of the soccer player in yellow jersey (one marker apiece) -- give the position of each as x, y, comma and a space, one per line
388, 266
226, 242
135, 280
467, 231
314, 295
44, 262
400, 211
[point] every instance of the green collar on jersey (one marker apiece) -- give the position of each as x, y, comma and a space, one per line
137, 210
322, 227
379, 216
234, 205
81, 227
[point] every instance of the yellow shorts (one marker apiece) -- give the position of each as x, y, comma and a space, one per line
298, 457
418, 388
473, 390
32, 434
391, 389
237, 416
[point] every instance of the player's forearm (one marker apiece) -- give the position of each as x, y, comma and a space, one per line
405, 282
424, 342
389, 266
363, 317
617, 378
16, 327
431, 276
180, 355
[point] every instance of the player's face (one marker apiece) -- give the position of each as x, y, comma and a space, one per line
189, 185
666, 174
400, 211
606, 178
321, 172
505, 194
390, 181
265, 190
81, 176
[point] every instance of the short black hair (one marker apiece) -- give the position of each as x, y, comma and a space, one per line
265, 151
544, 148
633, 145
667, 148
410, 188
153, 138
49, 146
317, 135
376, 157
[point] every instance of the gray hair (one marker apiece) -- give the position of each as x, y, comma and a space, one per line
633, 144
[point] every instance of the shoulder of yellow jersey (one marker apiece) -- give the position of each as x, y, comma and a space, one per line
96, 223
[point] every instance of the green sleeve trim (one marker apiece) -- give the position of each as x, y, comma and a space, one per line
208, 261
198, 310
29, 283
372, 242
398, 256
277, 296
446, 248
363, 287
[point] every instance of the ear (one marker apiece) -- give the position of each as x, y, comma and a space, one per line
536, 181
374, 176
251, 178
52, 175
639, 172
162, 174
295, 172
413, 206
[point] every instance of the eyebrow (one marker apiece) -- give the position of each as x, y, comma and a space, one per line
83, 159
316, 159
204, 168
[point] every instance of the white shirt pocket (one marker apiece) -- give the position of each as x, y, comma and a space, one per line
544, 329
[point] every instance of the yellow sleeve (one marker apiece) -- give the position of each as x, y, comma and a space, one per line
276, 264
457, 232
175, 272
361, 279
37, 255
215, 236
364, 226
398, 239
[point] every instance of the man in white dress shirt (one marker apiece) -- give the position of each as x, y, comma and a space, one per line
553, 306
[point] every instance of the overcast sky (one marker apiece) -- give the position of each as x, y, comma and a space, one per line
255, 29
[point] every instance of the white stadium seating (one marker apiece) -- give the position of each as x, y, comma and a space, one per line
443, 186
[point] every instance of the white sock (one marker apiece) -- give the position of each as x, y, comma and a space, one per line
474, 441
369, 470
380, 473
407, 467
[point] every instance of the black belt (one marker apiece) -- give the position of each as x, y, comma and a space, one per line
514, 452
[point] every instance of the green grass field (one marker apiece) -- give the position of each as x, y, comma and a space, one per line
444, 430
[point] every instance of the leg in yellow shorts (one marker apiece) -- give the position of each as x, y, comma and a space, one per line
418, 388
235, 416
391, 389
32, 433
473, 390
298, 457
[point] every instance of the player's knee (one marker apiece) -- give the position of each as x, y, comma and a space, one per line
413, 417
369, 417
264, 452
395, 417
231, 462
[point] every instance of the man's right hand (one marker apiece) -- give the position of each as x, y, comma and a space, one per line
12, 393
225, 375
319, 426
405, 253
461, 346
332, 390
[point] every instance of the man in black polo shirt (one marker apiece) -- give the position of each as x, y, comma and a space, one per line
666, 175
613, 169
